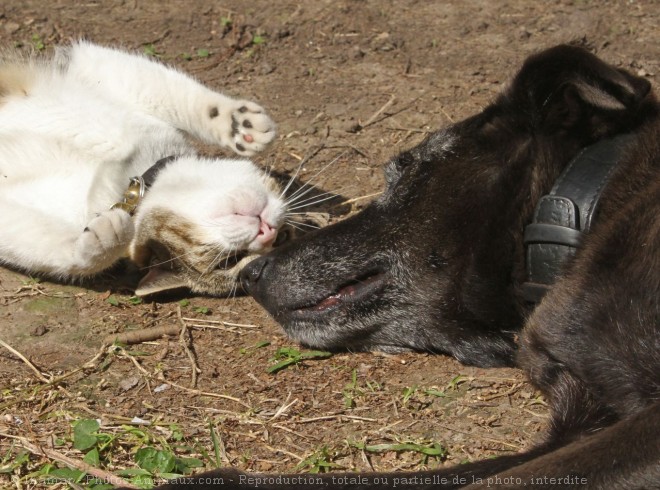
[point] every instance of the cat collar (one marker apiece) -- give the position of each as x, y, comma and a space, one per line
138, 185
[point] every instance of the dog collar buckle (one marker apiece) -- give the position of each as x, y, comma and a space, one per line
564, 215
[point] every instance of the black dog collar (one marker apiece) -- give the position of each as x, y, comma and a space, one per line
137, 186
563, 215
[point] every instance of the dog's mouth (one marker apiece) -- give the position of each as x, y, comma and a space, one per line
353, 291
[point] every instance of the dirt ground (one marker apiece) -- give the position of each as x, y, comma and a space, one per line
321, 68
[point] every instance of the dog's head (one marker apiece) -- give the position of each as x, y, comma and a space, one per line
434, 264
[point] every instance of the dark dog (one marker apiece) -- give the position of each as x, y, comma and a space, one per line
438, 263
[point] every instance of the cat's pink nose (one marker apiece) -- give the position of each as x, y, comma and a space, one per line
267, 234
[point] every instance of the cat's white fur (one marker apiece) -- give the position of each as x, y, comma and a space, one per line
75, 128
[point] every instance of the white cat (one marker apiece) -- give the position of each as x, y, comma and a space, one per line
75, 128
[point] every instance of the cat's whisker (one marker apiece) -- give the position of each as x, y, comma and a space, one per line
293, 177
317, 196
311, 203
294, 225
309, 225
309, 182
171, 259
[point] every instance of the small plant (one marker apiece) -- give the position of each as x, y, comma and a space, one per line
319, 462
203, 310
288, 356
150, 50
256, 40
38, 44
408, 392
456, 381
432, 449
184, 302
351, 391
258, 345
203, 53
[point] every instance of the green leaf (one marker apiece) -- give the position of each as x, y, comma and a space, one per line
133, 472
437, 393
92, 457
67, 474
154, 460
225, 21
113, 301
258, 40
184, 302
135, 300
84, 434
201, 309
203, 53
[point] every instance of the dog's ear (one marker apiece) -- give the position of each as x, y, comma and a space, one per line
573, 90
159, 280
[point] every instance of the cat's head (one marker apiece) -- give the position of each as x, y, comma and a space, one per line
201, 221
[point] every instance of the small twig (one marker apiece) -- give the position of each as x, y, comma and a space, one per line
385, 106
219, 322
332, 417
40, 375
511, 391
205, 393
355, 199
282, 409
184, 343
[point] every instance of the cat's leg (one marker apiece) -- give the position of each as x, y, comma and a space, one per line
37, 243
149, 86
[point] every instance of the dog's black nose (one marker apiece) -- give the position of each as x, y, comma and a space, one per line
252, 272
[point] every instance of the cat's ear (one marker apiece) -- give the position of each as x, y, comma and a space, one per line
159, 280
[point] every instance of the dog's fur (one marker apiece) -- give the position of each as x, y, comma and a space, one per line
437, 262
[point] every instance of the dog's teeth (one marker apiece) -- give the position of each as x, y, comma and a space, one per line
328, 302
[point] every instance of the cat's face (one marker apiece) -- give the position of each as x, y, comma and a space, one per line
201, 222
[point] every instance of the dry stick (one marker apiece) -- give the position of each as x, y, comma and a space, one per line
155, 333
41, 377
80, 465
355, 199
371, 120
184, 344
142, 335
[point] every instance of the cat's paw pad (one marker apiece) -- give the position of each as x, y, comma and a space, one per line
105, 238
248, 128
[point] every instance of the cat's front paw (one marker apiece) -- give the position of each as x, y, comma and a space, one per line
243, 126
104, 240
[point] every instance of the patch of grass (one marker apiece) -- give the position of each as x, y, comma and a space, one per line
289, 356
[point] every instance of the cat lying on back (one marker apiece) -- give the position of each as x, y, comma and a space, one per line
75, 128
